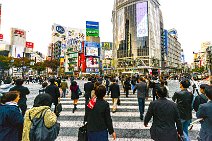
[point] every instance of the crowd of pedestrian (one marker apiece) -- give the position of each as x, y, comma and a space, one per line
171, 117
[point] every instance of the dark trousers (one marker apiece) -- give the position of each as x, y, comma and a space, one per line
127, 92
154, 94
98, 136
141, 104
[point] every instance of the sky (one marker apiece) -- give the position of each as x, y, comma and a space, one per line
191, 19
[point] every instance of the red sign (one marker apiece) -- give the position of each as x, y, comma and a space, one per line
19, 32
1, 36
29, 45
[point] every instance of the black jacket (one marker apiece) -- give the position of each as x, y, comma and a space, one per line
115, 90
200, 99
53, 90
23, 92
99, 118
88, 87
184, 100
165, 114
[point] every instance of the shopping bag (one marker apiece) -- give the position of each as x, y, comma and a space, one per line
82, 133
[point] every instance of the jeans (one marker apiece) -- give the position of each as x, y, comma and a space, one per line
185, 124
64, 93
141, 104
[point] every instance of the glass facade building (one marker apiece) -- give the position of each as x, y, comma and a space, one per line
136, 35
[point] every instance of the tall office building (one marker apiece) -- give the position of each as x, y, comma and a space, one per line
136, 35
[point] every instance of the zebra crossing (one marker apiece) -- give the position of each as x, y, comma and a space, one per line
126, 121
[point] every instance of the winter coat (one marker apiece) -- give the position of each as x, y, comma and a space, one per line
74, 94
11, 123
49, 119
115, 90
53, 90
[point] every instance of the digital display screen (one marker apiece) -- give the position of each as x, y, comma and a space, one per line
92, 62
141, 19
92, 51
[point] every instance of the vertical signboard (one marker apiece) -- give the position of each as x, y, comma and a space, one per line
141, 19
121, 24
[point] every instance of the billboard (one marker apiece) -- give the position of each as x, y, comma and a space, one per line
108, 53
121, 24
18, 37
92, 51
29, 45
106, 45
141, 19
92, 62
93, 39
165, 34
92, 25
92, 44
92, 28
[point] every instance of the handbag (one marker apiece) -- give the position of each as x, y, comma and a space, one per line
39, 132
82, 133
79, 91
59, 108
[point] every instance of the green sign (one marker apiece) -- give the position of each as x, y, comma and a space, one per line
92, 32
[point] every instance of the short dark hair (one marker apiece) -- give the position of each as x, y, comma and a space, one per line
208, 92
44, 84
52, 80
100, 91
43, 100
89, 78
203, 86
185, 83
162, 91
9, 96
19, 82
73, 83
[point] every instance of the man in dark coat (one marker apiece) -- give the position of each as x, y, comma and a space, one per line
165, 118
88, 87
184, 100
115, 93
201, 98
23, 92
127, 86
205, 112
53, 90
141, 88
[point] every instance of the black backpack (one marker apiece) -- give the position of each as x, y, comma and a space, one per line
39, 132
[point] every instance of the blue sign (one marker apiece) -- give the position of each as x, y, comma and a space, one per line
92, 25
165, 34
60, 29
92, 44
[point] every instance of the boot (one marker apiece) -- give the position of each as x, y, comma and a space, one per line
75, 107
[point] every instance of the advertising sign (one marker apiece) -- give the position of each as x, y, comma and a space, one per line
92, 62
165, 34
1, 36
92, 44
29, 45
108, 53
141, 19
106, 45
18, 37
92, 25
92, 32
74, 39
92, 51
93, 39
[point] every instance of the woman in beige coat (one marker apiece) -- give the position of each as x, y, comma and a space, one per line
41, 103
